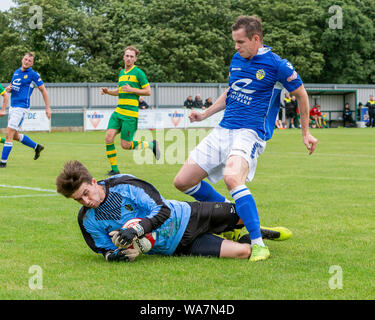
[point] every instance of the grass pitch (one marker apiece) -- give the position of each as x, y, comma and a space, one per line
326, 199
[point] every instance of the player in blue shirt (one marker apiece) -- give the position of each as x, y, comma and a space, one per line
178, 227
22, 85
252, 101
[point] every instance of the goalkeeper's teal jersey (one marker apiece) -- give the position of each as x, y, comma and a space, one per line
127, 198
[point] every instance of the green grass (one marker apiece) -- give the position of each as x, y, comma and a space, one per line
326, 199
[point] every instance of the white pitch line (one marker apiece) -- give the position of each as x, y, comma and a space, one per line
27, 188
30, 196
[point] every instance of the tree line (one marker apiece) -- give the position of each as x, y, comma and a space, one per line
328, 41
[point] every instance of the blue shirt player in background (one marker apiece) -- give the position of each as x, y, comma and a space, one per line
252, 101
179, 228
24, 80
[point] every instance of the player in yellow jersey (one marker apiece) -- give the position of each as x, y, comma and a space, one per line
132, 83
4, 94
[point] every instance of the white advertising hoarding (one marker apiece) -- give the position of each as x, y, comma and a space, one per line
97, 119
36, 121
166, 118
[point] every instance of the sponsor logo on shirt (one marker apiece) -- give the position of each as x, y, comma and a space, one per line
16, 85
235, 86
260, 74
289, 65
16, 82
25, 76
292, 77
240, 93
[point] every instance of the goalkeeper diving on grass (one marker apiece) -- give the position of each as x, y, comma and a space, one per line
178, 228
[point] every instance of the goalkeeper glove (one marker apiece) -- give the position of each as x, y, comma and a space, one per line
126, 255
123, 238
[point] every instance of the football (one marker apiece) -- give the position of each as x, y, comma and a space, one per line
143, 244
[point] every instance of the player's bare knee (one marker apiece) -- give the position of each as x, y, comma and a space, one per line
244, 251
109, 139
125, 144
180, 184
231, 181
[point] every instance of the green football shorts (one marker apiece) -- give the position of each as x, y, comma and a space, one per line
127, 125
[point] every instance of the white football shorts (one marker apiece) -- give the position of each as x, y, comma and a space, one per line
16, 117
212, 152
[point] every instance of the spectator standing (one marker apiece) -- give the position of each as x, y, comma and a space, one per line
279, 120
347, 116
297, 118
289, 111
371, 111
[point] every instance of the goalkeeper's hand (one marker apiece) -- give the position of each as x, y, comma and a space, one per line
126, 255
123, 238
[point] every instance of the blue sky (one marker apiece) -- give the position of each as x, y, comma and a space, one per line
6, 4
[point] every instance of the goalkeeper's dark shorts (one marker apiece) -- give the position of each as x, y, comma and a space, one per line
207, 219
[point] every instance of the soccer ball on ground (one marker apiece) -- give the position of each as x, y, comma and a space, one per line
143, 244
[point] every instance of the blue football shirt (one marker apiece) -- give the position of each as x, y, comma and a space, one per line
127, 198
23, 84
255, 85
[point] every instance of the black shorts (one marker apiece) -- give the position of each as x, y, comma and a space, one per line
207, 218
290, 113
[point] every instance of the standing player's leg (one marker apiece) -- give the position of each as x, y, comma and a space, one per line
111, 150
189, 180
26, 141
235, 174
240, 166
128, 130
205, 160
8, 145
16, 117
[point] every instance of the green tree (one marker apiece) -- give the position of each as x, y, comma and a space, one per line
291, 28
349, 48
186, 40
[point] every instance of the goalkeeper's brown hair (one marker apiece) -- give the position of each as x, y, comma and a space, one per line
73, 175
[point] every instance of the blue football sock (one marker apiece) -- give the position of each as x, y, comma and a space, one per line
203, 191
6, 151
247, 210
24, 139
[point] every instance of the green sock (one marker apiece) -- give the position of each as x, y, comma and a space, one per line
138, 144
2, 140
112, 156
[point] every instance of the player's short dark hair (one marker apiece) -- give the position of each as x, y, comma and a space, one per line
133, 48
73, 175
30, 54
251, 24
